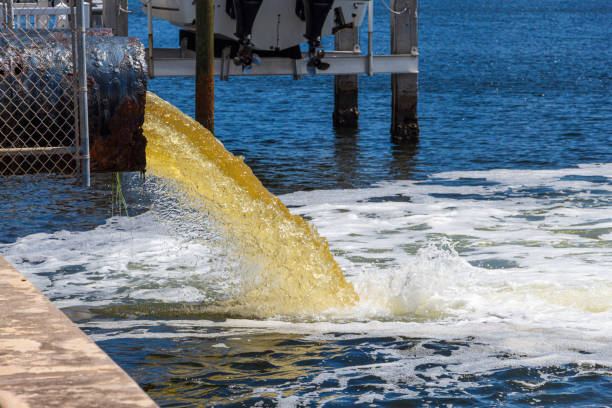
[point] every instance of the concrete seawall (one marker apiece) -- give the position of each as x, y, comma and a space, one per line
47, 361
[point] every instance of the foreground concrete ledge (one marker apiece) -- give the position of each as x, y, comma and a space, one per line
47, 361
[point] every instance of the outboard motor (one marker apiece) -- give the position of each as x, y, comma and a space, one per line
315, 13
244, 11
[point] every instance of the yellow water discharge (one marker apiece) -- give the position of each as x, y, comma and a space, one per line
291, 270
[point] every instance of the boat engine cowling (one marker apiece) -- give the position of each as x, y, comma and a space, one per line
315, 14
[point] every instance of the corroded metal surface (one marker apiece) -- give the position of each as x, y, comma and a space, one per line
346, 87
117, 85
117, 76
46, 361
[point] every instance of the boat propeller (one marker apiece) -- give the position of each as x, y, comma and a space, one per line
315, 61
314, 13
246, 58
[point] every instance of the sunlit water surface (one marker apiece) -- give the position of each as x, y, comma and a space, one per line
482, 257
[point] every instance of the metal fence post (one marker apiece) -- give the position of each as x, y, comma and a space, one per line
150, 28
82, 92
370, 38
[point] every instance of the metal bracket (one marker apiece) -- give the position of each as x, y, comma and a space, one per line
168, 63
225, 64
296, 71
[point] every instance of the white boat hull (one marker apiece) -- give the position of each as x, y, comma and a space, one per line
276, 27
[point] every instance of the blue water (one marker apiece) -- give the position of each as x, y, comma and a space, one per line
192, 372
521, 85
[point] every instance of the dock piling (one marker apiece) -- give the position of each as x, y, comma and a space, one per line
404, 87
115, 16
346, 87
205, 64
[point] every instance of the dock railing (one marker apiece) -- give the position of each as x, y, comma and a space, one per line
41, 15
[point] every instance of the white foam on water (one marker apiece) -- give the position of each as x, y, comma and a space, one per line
518, 261
125, 260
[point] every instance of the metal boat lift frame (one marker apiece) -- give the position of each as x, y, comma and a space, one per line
177, 62
346, 63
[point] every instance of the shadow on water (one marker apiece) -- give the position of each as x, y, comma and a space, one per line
346, 155
358, 164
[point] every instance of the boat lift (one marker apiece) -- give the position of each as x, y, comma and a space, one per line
171, 62
250, 44
345, 62
179, 62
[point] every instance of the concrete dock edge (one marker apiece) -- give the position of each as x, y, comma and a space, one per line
47, 361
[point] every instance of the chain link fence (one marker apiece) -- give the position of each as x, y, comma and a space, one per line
39, 120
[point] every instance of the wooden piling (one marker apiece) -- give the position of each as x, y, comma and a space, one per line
404, 87
115, 16
346, 87
205, 64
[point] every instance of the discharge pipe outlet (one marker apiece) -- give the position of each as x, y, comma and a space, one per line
37, 111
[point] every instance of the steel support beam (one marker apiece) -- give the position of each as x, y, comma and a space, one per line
168, 63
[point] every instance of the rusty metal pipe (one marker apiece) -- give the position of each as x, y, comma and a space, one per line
117, 85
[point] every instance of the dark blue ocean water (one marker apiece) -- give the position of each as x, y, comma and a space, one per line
521, 85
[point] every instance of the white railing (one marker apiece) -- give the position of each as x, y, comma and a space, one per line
39, 15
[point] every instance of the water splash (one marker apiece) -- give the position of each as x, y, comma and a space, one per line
430, 287
287, 267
